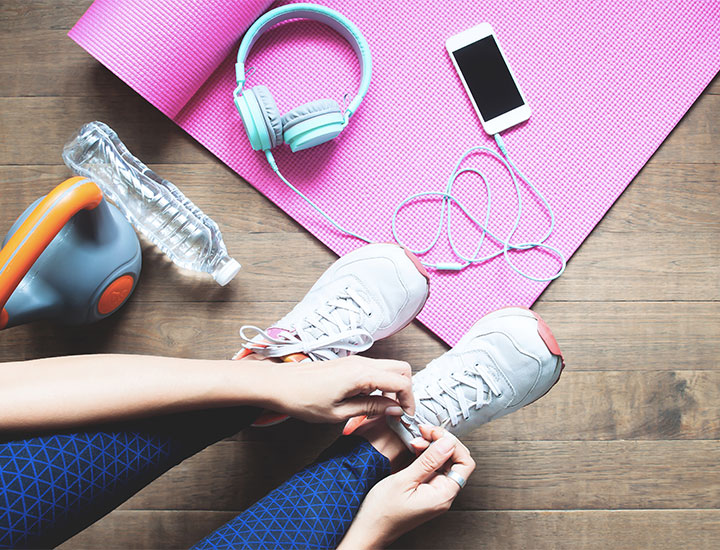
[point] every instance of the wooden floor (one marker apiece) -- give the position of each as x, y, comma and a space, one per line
622, 454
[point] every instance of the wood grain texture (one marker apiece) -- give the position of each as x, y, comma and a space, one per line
529, 475
674, 198
499, 530
622, 454
33, 15
49, 121
619, 530
607, 340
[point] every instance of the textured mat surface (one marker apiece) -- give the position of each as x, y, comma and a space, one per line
607, 82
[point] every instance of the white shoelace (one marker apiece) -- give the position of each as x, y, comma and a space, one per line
447, 394
334, 329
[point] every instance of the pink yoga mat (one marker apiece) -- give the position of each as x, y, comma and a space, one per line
607, 81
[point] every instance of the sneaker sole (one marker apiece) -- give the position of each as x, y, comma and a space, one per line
269, 418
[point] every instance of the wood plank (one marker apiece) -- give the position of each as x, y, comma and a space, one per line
642, 267
636, 335
619, 530
622, 336
597, 406
47, 63
48, 122
668, 197
542, 475
236, 206
663, 198
30, 15
499, 530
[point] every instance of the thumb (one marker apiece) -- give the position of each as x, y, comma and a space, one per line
430, 460
370, 405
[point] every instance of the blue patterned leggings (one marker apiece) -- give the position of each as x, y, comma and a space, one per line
54, 485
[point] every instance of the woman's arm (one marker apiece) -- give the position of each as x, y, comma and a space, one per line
67, 391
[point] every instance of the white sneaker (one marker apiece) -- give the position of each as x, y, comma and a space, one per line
507, 360
368, 294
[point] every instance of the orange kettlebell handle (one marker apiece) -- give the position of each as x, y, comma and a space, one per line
39, 229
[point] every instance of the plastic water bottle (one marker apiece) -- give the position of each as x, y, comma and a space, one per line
156, 208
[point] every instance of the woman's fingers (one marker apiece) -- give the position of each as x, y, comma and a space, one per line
419, 445
431, 433
400, 367
369, 405
388, 381
430, 461
460, 460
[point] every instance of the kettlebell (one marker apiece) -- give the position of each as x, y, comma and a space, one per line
71, 257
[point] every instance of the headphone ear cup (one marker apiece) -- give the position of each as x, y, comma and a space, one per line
312, 124
271, 114
261, 118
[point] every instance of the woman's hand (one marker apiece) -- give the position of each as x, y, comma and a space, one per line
332, 391
412, 496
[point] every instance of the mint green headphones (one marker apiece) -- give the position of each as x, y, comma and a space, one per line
312, 123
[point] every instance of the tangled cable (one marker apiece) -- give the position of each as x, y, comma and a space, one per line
445, 208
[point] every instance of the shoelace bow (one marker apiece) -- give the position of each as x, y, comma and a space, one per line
447, 394
333, 327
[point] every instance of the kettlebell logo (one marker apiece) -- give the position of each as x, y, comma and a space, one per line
115, 294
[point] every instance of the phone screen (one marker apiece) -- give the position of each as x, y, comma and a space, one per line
488, 78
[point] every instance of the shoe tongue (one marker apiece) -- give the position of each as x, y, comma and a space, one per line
318, 326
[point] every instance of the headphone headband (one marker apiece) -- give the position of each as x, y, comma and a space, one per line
318, 13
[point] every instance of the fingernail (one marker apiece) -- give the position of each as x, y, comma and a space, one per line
417, 441
353, 424
394, 411
444, 444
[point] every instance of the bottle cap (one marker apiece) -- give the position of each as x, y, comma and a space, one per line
226, 271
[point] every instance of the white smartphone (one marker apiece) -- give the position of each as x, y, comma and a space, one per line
487, 78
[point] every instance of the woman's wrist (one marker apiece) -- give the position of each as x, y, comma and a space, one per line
364, 537
250, 382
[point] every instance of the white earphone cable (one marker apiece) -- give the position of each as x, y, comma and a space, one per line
448, 198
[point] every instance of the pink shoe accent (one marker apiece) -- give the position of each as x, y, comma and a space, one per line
269, 418
548, 337
417, 263
243, 353
421, 269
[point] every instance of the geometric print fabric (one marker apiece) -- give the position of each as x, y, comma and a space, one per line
313, 509
53, 486
47, 482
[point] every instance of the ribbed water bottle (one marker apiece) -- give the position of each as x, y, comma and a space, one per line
156, 208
